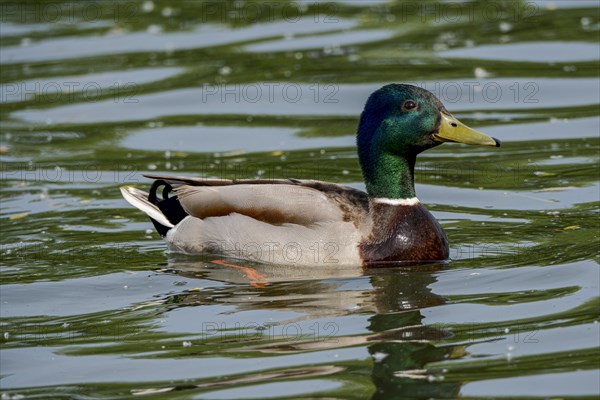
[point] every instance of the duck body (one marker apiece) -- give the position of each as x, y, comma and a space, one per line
289, 221
305, 222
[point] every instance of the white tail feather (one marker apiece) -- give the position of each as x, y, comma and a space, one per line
138, 199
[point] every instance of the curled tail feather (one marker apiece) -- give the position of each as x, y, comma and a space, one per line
165, 212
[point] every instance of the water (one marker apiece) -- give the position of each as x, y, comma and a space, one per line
95, 94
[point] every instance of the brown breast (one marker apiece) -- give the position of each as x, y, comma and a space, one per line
407, 233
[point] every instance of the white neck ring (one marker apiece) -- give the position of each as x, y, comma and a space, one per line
396, 202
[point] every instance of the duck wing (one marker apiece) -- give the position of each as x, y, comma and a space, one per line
275, 201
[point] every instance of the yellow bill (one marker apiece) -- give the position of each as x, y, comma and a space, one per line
452, 130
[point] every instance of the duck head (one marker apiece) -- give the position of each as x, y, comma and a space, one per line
399, 122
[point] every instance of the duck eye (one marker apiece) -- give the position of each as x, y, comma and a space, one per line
409, 105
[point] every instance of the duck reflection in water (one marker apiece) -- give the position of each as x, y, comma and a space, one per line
398, 342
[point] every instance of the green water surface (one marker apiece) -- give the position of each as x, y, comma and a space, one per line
93, 94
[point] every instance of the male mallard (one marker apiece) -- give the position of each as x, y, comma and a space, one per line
305, 222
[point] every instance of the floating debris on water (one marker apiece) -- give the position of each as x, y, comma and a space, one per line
18, 216
147, 6
481, 73
225, 70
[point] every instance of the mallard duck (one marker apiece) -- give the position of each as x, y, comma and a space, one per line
307, 222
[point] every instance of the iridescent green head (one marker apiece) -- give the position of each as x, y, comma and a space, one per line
400, 121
